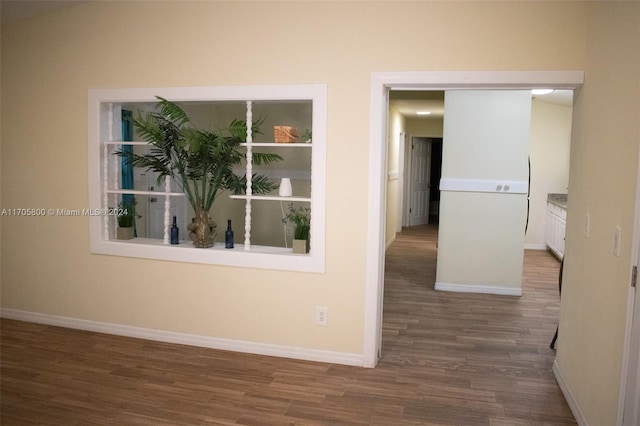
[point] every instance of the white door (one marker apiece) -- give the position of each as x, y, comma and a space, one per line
156, 209
631, 414
631, 370
420, 181
142, 206
156, 216
632, 393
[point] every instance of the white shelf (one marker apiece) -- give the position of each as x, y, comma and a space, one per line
125, 143
264, 257
281, 145
270, 198
137, 192
218, 246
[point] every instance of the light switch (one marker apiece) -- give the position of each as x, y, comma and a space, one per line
587, 225
617, 236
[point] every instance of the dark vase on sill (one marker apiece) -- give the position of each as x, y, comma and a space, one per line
175, 238
228, 236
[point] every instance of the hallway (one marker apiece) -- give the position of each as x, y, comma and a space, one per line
480, 359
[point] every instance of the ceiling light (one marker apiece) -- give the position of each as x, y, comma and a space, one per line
541, 91
423, 112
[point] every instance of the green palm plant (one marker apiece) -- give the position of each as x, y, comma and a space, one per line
126, 213
301, 218
200, 161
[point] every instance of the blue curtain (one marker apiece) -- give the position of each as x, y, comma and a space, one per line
126, 168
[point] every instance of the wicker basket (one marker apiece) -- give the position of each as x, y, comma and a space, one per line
284, 134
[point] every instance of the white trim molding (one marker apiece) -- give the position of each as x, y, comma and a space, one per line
391, 241
534, 246
481, 185
572, 402
482, 289
628, 410
103, 131
516, 80
186, 339
380, 84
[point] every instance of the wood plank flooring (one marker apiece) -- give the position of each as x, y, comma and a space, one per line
448, 359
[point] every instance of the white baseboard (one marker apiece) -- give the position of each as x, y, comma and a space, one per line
535, 246
386, 247
568, 395
188, 339
484, 289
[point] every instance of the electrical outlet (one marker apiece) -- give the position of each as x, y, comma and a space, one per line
322, 315
289, 231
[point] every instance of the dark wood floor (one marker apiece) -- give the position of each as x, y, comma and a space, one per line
448, 358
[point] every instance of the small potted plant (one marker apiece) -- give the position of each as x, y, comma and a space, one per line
301, 218
126, 218
306, 136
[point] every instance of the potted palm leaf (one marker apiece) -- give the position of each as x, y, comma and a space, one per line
126, 219
200, 161
301, 218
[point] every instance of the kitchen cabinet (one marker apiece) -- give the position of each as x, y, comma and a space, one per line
556, 224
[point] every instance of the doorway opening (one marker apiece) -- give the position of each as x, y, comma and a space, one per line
546, 136
381, 86
423, 170
548, 157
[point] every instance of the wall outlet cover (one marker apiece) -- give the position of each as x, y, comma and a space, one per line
322, 315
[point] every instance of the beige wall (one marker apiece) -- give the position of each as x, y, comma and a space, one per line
1, 174
549, 152
549, 149
48, 64
429, 128
481, 234
602, 182
395, 126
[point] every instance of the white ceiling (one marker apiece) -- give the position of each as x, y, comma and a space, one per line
409, 102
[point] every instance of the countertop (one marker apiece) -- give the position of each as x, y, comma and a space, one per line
559, 200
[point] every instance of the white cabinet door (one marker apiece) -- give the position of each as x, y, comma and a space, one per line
549, 229
555, 229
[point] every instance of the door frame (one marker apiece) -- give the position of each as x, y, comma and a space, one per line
380, 84
630, 382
